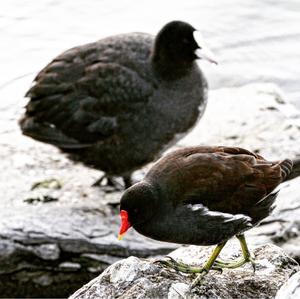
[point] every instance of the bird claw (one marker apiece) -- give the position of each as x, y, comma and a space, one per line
220, 270
199, 279
108, 184
49, 184
253, 263
170, 258
165, 261
169, 262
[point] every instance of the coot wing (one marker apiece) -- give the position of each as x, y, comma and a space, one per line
78, 99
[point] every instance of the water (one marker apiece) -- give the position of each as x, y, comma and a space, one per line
254, 40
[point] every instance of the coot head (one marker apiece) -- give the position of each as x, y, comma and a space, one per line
178, 42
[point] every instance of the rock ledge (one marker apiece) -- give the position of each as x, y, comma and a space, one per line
139, 278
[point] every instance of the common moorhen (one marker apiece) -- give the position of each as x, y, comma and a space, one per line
117, 103
203, 196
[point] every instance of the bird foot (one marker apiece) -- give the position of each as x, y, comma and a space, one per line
169, 262
49, 184
236, 264
108, 184
199, 280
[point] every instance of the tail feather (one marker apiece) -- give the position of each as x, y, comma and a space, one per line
286, 168
264, 207
49, 134
295, 171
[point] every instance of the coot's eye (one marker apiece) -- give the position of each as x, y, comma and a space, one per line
185, 41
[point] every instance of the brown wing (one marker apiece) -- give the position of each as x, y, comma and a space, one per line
174, 161
226, 179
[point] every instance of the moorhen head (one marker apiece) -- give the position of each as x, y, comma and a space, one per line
117, 103
203, 196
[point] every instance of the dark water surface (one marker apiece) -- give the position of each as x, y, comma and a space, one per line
254, 40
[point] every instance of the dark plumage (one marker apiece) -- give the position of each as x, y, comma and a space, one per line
116, 104
203, 196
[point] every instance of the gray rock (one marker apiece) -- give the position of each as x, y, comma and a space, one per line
138, 278
290, 289
55, 250
46, 251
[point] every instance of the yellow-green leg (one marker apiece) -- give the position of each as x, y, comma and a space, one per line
246, 258
171, 263
209, 264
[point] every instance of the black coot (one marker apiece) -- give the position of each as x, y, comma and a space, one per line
116, 104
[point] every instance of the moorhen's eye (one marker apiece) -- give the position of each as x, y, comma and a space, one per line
135, 210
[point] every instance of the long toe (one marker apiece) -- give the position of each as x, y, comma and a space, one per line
199, 279
221, 262
253, 263
236, 263
49, 184
170, 263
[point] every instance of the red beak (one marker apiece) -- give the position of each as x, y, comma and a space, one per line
125, 224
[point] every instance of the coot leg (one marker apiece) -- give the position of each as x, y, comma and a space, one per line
127, 181
108, 183
98, 182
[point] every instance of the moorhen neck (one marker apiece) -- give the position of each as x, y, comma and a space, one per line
204, 196
117, 103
